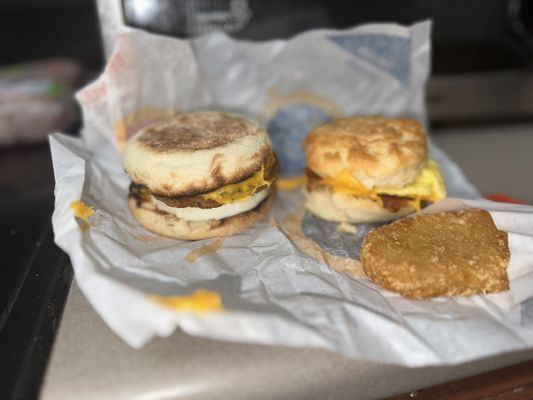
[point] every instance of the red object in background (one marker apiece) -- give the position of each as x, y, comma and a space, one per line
503, 198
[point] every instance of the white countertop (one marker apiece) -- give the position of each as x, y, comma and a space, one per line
91, 362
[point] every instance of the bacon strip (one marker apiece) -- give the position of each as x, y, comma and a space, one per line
394, 203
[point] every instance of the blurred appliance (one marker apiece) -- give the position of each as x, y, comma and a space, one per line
482, 51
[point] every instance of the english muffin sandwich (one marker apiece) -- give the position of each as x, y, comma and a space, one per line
370, 169
200, 175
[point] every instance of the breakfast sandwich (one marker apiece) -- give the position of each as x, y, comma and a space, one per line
446, 254
200, 175
370, 169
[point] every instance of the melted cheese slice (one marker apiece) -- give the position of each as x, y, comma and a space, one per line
243, 190
428, 186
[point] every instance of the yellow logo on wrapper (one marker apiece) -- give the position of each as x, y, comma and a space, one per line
201, 301
428, 186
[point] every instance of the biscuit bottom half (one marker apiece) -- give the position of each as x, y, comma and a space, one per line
339, 207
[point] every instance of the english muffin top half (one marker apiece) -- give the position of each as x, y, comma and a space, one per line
196, 153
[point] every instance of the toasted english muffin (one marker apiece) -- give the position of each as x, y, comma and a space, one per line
200, 175
196, 153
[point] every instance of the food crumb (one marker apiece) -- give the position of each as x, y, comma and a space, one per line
81, 210
344, 227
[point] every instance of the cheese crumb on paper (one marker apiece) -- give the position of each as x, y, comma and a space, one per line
291, 183
81, 210
344, 227
201, 301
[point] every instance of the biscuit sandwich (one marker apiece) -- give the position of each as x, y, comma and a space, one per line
370, 169
200, 175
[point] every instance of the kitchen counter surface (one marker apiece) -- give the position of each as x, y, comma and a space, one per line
89, 361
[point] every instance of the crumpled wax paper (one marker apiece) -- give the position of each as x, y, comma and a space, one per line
291, 279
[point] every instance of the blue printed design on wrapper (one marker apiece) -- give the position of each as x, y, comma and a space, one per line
526, 312
390, 54
287, 129
325, 234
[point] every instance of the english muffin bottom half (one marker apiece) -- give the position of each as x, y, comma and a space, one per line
370, 169
200, 175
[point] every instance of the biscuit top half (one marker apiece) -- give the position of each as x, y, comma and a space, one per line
378, 151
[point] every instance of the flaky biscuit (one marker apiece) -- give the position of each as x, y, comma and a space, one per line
447, 254
378, 151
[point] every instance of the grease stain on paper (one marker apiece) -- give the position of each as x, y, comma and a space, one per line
204, 250
146, 238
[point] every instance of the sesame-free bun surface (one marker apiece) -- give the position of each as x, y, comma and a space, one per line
378, 151
195, 153
339, 207
169, 225
447, 254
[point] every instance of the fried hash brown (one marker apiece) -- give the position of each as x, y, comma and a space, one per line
446, 254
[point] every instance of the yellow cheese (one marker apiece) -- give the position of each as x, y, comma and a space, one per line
345, 183
428, 186
81, 211
201, 301
291, 183
244, 190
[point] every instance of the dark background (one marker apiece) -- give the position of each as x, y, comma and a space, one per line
468, 35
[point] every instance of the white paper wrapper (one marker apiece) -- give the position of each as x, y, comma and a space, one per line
274, 290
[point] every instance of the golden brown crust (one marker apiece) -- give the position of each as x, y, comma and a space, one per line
169, 225
218, 178
198, 131
447, 254
196, 153
198, 200
378, 151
